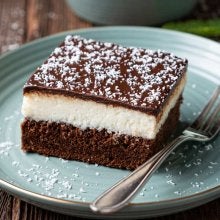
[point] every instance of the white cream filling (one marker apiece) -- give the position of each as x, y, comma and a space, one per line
90, 114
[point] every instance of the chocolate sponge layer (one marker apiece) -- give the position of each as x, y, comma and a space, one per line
94, 146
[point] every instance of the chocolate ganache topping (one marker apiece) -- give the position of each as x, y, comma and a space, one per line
136, 78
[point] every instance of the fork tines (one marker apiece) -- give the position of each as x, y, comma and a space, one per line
209, 119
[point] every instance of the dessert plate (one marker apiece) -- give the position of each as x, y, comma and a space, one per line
188, 178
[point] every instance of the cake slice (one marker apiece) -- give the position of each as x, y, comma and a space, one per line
102, 103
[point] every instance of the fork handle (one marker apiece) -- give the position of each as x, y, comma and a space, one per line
122, 192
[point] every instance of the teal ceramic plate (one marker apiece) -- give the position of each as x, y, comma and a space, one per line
188, 178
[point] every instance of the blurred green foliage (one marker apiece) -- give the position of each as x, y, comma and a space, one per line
206, 28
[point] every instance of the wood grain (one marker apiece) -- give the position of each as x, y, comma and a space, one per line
25, 20
49, 17
12, 25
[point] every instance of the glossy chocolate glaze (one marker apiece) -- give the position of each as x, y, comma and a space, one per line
134, 78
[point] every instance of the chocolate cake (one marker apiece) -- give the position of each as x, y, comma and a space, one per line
102, 103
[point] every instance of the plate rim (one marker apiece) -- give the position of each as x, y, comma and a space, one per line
26, 193
12, 188
95, 29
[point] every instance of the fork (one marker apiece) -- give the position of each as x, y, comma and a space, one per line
204, 128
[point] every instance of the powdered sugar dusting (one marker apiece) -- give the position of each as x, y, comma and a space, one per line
136, 77
5, 147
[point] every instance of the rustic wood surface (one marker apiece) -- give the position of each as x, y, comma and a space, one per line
24, 20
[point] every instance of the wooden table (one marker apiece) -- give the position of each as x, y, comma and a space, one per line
25, 20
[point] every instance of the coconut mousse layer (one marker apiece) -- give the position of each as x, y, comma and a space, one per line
84, 114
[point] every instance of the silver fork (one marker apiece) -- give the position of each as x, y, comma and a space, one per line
204, 128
